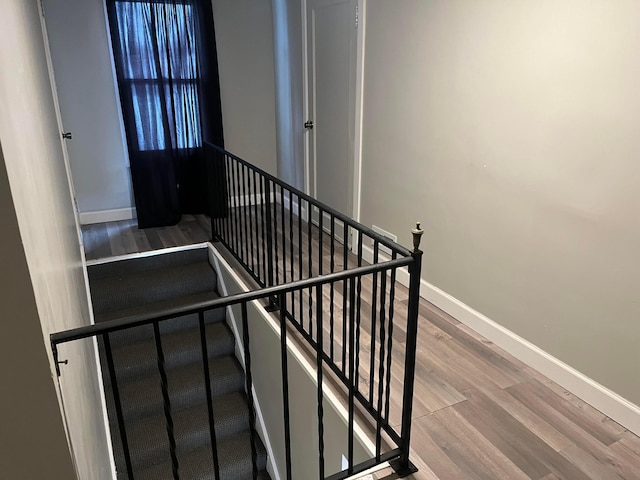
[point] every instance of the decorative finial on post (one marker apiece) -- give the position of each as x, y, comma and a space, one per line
417, 235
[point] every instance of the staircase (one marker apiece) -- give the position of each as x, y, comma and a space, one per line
154, 284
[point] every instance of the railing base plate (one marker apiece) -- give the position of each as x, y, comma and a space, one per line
403, 471
272, 307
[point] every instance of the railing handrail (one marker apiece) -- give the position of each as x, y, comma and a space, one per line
140, 319
386, 241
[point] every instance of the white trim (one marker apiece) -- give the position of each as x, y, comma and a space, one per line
598, 396
102, 216
305, 100
359, 109
150, 253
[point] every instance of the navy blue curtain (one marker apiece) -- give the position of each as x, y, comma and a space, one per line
167, 69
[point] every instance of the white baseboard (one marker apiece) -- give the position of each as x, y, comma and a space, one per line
598, 396
101, 216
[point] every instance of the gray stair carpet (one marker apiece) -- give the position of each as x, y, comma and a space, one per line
154, 284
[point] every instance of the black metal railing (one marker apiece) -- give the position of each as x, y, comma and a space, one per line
310, 262
280, 234
316, 286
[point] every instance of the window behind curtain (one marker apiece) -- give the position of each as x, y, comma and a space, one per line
157, 45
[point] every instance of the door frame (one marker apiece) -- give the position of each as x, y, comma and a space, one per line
76, 214
358, 114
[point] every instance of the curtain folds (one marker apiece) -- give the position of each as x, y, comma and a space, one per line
167, 69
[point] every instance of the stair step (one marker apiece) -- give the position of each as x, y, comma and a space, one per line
148, 263
148, 287
143, 397
145, 332
234, 454
180, 348
153, 286
148, 440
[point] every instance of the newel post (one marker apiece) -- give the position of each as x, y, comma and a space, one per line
403, 466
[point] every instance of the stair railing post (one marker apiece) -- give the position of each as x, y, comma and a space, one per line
403, 466
269, 232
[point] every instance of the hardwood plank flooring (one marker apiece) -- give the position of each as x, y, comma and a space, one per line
479, 413
110, 239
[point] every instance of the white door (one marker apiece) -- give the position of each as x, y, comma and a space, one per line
331, 32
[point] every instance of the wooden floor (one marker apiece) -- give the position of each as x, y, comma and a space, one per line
103, 240
479, 413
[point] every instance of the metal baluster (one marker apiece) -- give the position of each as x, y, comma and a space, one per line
249, 386
345, 265
267, 204
118, 405
383, 292
291, 262
263, 223
392, 297
285, 387
319, 352
228, 221
374, 299
243, 240
275, 233
358, 313
251, 222
284, 236
256, 201
331, 293
243, 202
320, 252
216, 192
300, 249
166, 401
309, 234
207, 383
352, 287
236, 210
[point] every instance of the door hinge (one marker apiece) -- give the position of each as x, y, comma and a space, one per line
42, 8
357, 16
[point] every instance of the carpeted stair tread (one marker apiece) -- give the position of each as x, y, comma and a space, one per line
180, 348
135, 334
148, 263
186, 387
234, 456
149, 441
143, 288
154, 286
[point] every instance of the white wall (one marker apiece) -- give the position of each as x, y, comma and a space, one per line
244, 37
511, 129
40, 188
89, 103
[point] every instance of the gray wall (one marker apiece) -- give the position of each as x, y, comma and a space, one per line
244, 36
89, 104
511, 130
39, 184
